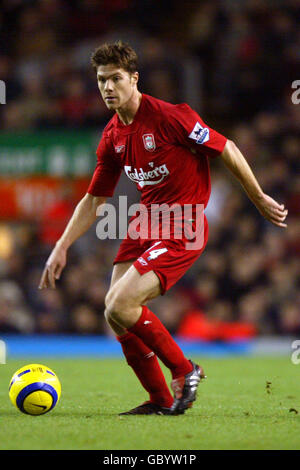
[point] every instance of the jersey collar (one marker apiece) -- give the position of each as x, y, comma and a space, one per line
133, 127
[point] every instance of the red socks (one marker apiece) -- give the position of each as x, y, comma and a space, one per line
146, 367
153, 334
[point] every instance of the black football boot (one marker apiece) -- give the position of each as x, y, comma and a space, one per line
147, 408
185, 389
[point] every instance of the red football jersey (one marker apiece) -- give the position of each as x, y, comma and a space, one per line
164, 151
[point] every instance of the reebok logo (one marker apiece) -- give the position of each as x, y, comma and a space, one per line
147, 322
120, 148
142, 261
148, 356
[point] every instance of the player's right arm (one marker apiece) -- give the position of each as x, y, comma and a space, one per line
102, 185
83, 217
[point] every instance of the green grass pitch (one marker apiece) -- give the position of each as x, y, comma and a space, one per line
245, 403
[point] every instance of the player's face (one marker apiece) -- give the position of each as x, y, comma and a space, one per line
116, 85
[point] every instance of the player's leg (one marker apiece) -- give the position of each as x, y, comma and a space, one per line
126, 306
142, 360
118, 271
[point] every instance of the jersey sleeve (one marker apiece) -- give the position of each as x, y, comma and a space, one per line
107, 172
183, 126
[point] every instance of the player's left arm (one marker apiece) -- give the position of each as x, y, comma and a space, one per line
239, 167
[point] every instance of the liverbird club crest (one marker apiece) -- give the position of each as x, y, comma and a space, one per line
149, 142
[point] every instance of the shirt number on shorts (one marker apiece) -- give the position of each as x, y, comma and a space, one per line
155, 253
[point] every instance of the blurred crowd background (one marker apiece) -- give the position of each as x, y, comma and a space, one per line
234, 62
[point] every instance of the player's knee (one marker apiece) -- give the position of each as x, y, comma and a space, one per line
115, 305
111, 317
107, 316
107, 301
119, 307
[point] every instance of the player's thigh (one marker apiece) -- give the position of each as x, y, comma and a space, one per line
119, 270
134, 289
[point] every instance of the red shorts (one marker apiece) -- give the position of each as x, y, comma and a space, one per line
168, 258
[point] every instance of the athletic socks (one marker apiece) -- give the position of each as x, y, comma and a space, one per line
147, 369
153, 334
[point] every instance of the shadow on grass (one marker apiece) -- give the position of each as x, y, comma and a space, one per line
190, 416
56, 414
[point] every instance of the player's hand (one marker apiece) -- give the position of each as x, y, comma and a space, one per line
272, 210
53, 268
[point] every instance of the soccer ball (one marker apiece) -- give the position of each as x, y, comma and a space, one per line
34, 389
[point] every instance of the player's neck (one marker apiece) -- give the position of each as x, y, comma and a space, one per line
128, 111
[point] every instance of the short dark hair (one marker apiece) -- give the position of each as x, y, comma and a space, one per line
119, 54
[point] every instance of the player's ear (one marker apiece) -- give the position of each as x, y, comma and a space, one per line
135, 78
